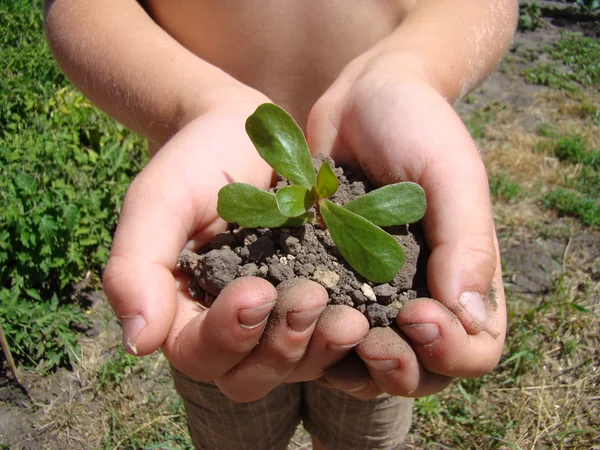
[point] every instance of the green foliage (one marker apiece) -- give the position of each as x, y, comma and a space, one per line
588, 5
502, 187
40, 331
573, 203
116, 369
577, 64
579, 195
251, 207
575, 149
530, 15
294, 200
281, 143
327, 181
478, 121
370, 251
391, 204
65, 168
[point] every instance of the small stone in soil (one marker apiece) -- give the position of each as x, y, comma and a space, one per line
385, 293
377, 315
219, 268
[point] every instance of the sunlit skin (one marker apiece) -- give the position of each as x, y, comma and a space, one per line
371, 83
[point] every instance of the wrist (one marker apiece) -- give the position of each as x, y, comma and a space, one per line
231, 97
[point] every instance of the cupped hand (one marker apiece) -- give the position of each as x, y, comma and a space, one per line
254, 336
398, 128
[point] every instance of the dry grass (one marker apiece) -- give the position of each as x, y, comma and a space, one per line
110, 400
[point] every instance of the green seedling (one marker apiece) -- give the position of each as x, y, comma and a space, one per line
354, 227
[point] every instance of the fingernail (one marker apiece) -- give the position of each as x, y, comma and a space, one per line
254, 317
421, 333
473, 303
382, 366
132, 326
302, 321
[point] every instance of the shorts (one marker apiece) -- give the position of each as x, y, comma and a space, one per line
338, 420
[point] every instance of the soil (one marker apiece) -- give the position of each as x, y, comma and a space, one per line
308, 252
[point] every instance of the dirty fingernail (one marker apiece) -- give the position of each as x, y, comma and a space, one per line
254, 317
422, 333
473, 303
382, 366
301, 321
132, 326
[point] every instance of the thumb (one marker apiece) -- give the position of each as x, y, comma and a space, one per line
323, 127
172, 201
459, 221
157, 219
409, 132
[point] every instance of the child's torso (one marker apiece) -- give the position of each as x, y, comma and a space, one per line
291, 50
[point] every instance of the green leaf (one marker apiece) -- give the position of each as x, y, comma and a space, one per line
372, 252
394, 204
281, 143
327, 181
71, 216
251, 207
33, 294
47, 228
293, 201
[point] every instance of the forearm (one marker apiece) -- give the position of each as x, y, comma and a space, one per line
132, 69
455, 45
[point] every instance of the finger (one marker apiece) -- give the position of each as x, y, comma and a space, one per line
351, 376
138, 278
394, 367
442, 343
459, 222
206, 343
339, 329
300, 303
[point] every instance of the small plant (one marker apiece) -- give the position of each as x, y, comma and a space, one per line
354, 227
573, 203
575, 64
530, 16
501, 186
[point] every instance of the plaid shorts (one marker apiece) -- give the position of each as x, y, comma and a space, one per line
338, 420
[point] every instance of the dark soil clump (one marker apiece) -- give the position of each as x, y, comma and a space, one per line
308, 252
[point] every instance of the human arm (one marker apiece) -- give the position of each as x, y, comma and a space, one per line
135, 71
389, 112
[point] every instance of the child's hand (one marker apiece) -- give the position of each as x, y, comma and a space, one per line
402, 129
245, 342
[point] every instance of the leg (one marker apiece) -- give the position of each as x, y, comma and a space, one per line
339, 421
218, 423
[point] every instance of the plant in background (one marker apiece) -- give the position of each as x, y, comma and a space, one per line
588, 5
64, 170
530, 15
354, 227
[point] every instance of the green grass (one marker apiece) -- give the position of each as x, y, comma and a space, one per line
482, 117
576, 64
65, 167
503, 187
578, 194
